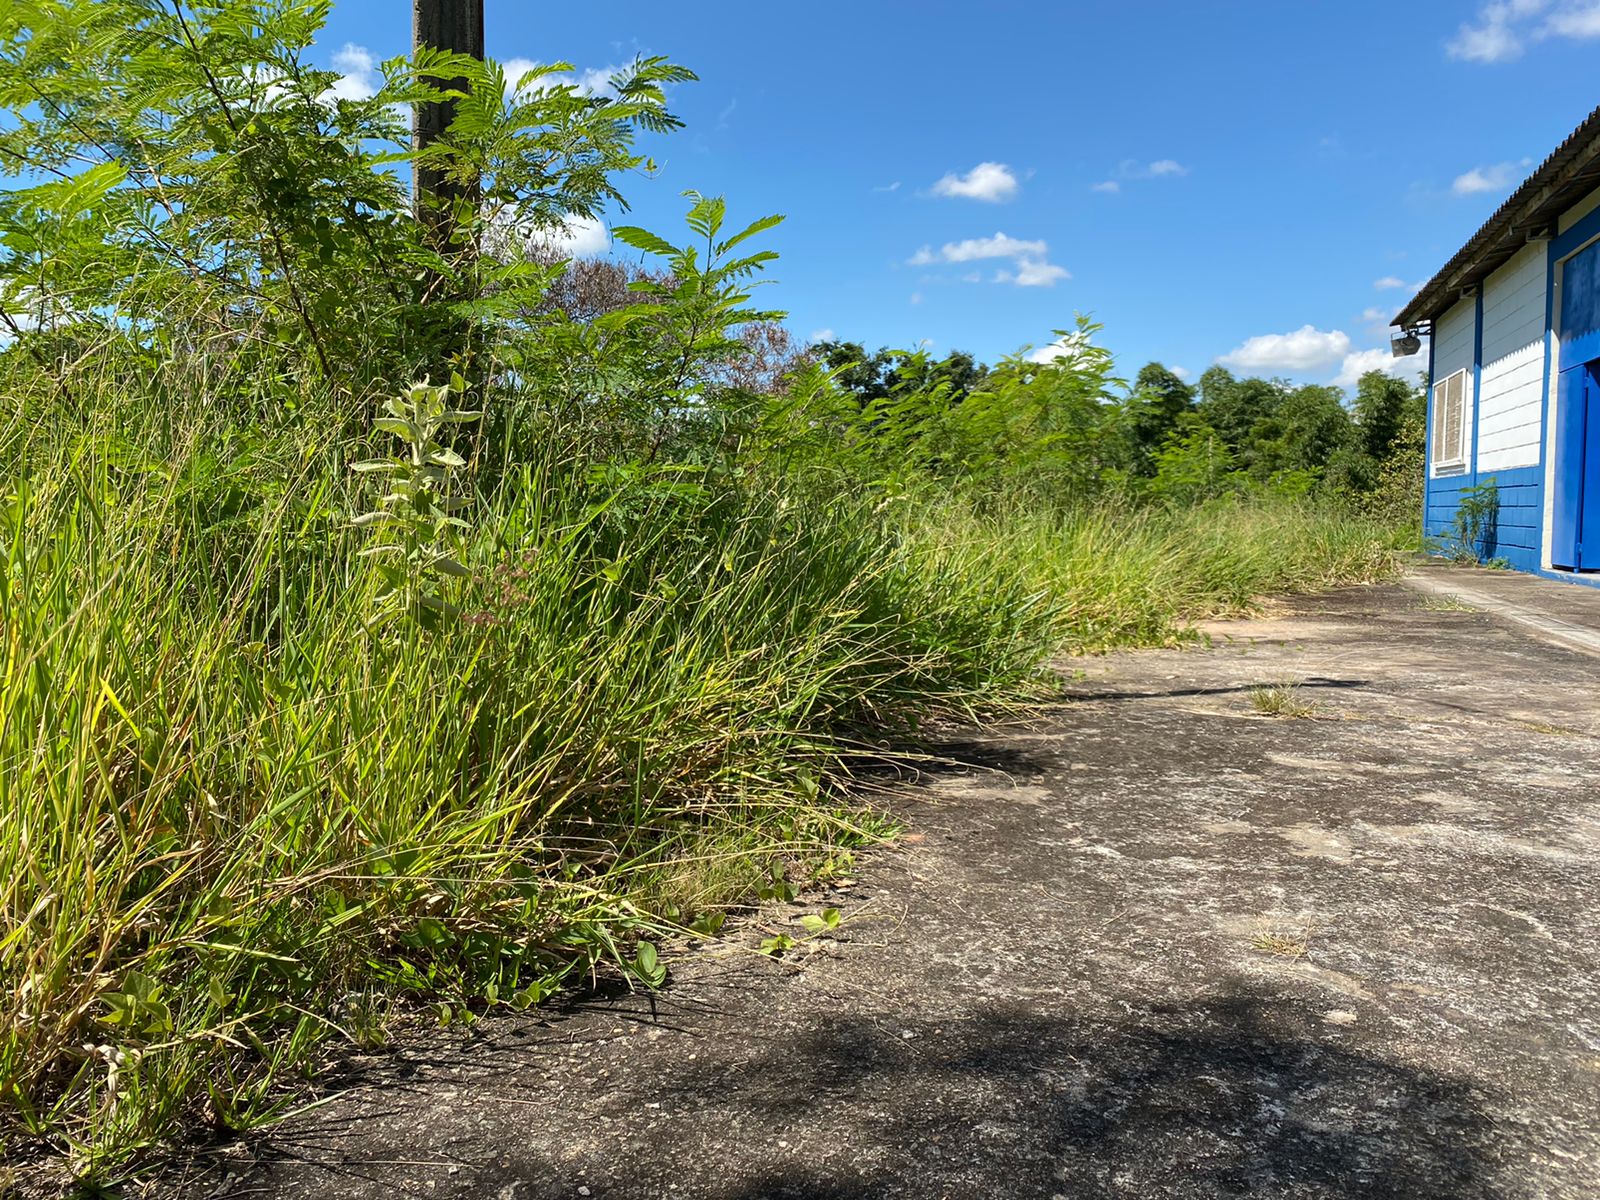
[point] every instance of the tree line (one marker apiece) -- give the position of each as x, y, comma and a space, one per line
1168, 439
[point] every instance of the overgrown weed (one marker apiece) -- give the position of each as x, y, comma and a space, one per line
1282, 699
231, 806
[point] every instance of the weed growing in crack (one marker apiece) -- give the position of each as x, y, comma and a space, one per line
1282, 699
1281, 945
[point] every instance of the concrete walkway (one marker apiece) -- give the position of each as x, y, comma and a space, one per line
1567, 614
1153, 945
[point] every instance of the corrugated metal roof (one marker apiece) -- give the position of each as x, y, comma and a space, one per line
1569, 174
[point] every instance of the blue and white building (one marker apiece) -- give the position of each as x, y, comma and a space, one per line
1514, 369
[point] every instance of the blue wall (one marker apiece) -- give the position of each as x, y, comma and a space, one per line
1518, 533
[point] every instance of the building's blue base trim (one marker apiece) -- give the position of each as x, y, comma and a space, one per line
1518, 531
1584, 580
1518, 534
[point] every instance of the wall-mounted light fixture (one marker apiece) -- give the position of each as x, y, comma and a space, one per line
1404, 345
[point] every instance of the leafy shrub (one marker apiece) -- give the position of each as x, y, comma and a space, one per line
1473, 531
1397, 497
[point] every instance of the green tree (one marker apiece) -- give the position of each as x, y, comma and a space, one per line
1308, 427
184, 162
1233, 406
876, 375
1159, 402
1194, 465
1383, 407
1055, 431
856, 370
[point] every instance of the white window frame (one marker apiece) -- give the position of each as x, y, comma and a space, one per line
1450, 393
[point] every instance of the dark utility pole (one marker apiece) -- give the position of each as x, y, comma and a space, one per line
456, 26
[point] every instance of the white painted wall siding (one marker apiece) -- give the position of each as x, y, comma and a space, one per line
1511, 394
1452, 352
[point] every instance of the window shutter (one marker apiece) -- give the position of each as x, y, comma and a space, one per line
1455, 423
1449, 447
1440, 391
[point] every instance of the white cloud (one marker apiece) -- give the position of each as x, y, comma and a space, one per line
988, 181
998, 246
578, 237
972, 249
1496, 177
1068, 346
592, 81
1377, 319
889, 187
1393, 283
1580, 22
515, 69
1180, 372
1034, 272
1306, 349
27, 310
22, 320
1498, 36
821, 335
1033, 265
1505, 28
1162, 168
1131, 169
575, 237
358, 74
1491, 42
1359, 362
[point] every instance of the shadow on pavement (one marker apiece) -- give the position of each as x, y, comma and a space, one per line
1221, 1097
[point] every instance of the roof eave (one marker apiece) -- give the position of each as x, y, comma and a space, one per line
1529, 214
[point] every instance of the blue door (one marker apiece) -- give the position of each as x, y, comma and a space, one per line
1575, 532
1576, 537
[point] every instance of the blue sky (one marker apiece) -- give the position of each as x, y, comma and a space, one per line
1257, 181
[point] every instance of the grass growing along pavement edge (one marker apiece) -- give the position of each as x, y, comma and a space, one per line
236, 822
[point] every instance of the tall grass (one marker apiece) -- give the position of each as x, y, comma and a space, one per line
236, 819
1120, 577
231, 813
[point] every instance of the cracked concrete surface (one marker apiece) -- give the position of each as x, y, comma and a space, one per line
1150, 944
